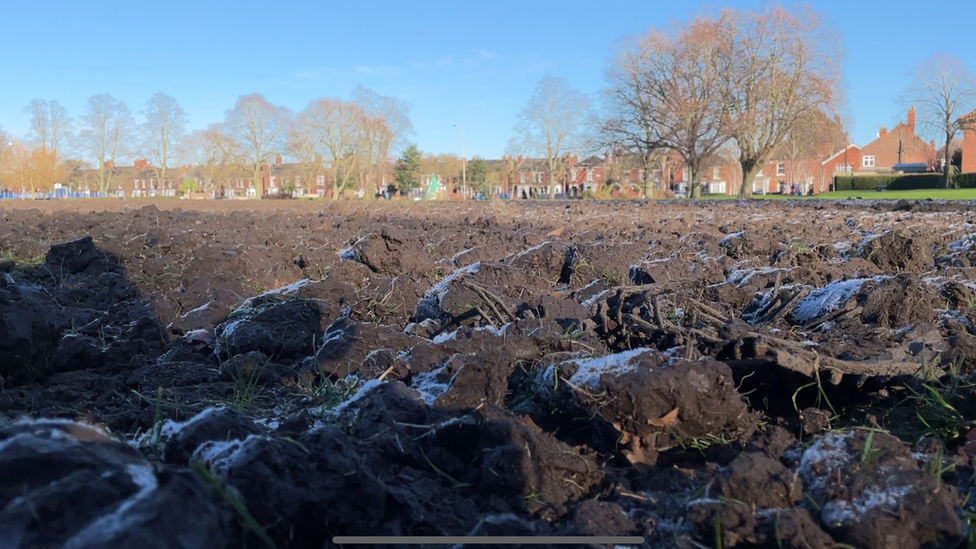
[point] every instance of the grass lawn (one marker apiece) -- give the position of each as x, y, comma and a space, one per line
918, 194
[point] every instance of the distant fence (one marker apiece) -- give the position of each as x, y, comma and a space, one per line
49, 196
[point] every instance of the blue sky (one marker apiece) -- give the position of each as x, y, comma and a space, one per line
474, 64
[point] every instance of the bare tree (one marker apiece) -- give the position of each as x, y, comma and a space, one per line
50, 124
666, 94
775, 67
334, 127
106, 126
260, 129
384, 130
213, 153
944, 90
552, 124
162, 131
813, 137
6, 158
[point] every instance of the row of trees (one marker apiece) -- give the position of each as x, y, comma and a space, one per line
351, 136
742, 81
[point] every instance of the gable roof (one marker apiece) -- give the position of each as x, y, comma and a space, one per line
838, 153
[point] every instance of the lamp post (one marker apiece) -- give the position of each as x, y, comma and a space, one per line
464, 175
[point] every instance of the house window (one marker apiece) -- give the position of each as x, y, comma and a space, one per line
760, 173
540, 177
781, 168
716, 173
867, 161
320, 180
522, 178
589, 174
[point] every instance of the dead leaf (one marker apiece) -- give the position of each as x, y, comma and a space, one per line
557, 233
666, 421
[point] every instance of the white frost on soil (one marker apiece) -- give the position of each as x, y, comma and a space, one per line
525, 252
433, 299
964, 244
590, 370
429, 387
171, 428
824, 300
741, 277
727, 240
845, 512
113, 525
868, 237
362, 391
823, 458
589, 302
289, 290
220, 456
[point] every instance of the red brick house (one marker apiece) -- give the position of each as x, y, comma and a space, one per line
969, 145
900, 145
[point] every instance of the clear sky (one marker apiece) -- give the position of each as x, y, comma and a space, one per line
473, 64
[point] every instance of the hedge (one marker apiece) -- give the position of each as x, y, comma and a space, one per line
964, 181
894, 182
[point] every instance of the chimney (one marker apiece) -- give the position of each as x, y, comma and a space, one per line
606, 157
108, 165
911, 120
519, 159
140, 164
318, 160
277, 160
883, 132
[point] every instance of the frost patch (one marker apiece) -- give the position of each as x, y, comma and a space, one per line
727, 240
113, 526
964, 244
431, 304
823, 458
363, 390
428, 385
824, 300
171, 428
842, 512
288, 290
590, 370
741, 277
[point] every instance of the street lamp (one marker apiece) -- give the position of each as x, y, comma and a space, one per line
464, 175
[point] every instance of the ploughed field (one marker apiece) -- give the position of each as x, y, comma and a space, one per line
208, 375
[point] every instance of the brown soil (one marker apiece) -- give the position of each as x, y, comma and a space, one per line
224, 373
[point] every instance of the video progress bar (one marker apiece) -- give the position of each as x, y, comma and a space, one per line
487, 540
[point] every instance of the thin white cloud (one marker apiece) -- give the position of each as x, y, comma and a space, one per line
485, 54
378, 69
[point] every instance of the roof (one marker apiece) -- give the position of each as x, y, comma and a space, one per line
838, 153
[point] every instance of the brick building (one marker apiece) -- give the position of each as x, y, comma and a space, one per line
900, 145
969, 145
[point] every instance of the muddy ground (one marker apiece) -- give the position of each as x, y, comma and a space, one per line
222, 374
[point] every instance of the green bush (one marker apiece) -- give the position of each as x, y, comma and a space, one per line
894, 182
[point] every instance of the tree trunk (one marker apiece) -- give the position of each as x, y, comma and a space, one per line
948, 156
256, 181
649, 193
749, 171
694, 189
